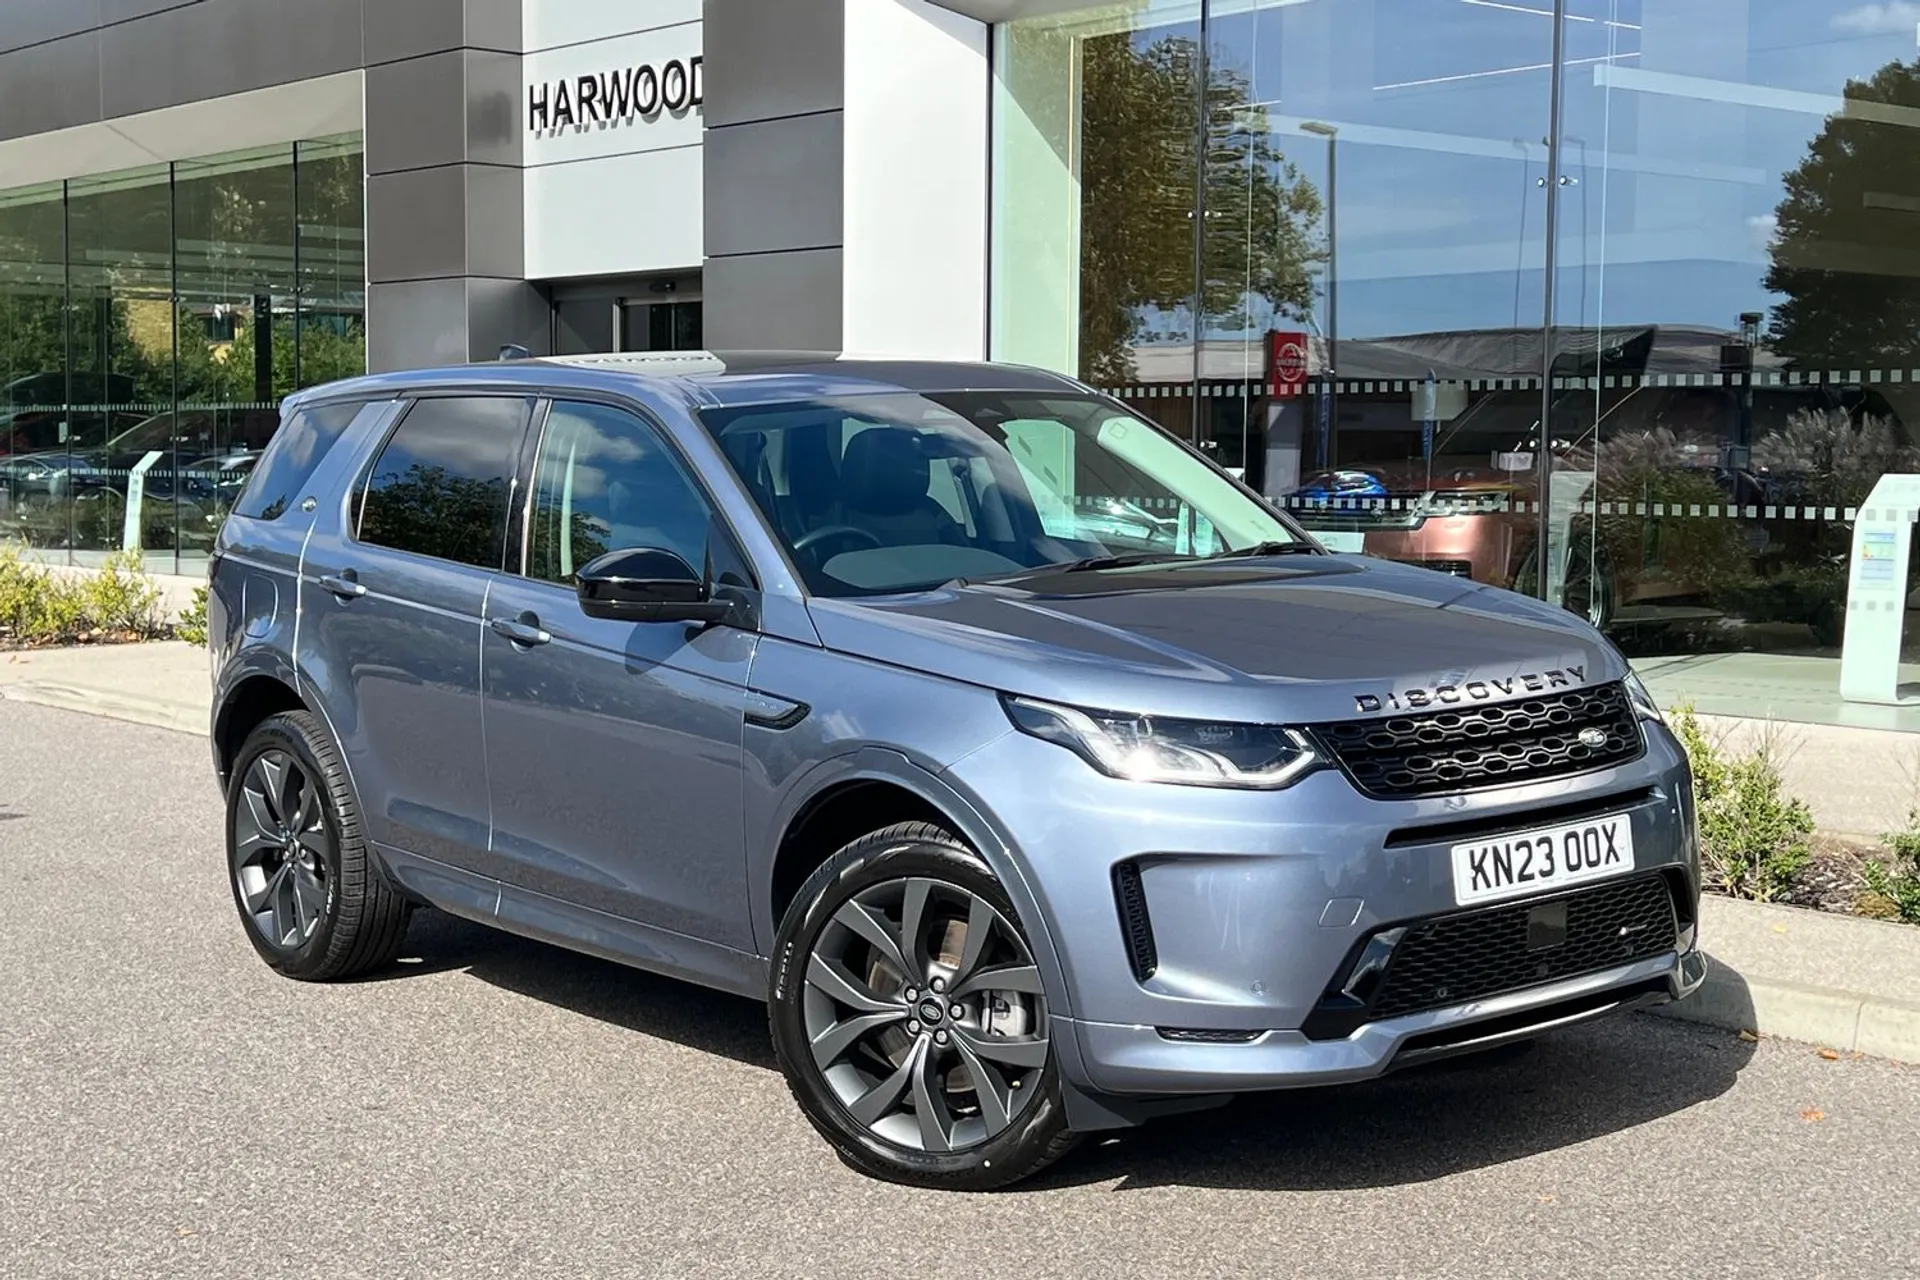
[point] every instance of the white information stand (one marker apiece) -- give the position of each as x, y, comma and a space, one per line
1877, 592
136, 491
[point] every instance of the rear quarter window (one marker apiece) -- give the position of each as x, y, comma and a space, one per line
296, 450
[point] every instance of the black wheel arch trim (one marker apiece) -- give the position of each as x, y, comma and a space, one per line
969, 820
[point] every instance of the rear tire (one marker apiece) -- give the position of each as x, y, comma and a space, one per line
908, 1017
314, 904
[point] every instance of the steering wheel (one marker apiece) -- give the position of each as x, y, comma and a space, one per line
813, 538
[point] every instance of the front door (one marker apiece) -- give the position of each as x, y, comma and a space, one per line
392, 594
614, 748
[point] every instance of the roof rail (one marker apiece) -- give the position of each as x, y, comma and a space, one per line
665, 363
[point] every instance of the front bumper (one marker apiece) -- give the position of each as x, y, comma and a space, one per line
1259, 902
1134, 1060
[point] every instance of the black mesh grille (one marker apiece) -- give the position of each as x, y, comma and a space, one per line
1131, 899
1486, 952
1459, 748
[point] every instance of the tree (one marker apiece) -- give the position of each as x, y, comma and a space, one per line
1843, 252
1139, 173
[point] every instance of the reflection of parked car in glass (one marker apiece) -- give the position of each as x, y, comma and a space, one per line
1661, 515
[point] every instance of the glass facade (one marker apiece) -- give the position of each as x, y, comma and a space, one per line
1613, 300
150, 323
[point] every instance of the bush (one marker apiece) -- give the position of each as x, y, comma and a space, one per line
1895, 887
192, 626
1753, 836
37, 607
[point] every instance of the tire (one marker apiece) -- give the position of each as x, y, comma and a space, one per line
313, 902
1010, 1130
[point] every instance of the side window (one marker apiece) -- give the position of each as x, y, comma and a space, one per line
441, 485
606, 481
290, 461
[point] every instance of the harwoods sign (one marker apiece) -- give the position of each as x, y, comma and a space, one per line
615, 97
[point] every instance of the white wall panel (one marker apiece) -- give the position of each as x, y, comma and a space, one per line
629, 213
915, 177
612, 191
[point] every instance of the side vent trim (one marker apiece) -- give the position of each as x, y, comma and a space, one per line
1136, 926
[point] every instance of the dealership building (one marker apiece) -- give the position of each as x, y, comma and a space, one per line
1614, 300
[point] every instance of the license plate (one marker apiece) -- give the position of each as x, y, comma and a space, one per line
1524, 862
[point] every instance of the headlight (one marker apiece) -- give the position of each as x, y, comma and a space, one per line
1150, 749
1643, 704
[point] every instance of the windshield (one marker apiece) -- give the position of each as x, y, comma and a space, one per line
889, 493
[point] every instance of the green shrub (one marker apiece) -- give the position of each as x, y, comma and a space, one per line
192, 626
1753, 836
1895, 885
38, 607
120, 597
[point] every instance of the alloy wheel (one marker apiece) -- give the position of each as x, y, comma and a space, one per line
924, 1015
282, 852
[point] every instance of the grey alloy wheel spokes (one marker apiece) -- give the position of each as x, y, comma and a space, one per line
282, 852
925, 1016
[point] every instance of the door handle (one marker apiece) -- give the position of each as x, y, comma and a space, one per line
523, 630
345, 585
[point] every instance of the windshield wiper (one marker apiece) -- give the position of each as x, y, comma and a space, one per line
1119, 562
1088, 565
1267, 549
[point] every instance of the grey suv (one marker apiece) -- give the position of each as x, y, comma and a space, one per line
838, 685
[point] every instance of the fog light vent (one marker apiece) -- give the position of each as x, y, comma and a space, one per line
1135, 925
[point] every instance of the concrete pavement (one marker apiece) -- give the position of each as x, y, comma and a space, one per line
494, 1107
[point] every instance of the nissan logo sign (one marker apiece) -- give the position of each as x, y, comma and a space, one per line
612, 97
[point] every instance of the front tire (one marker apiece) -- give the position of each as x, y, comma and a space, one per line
909, 1019
312, 901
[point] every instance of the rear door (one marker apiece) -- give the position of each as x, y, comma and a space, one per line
393, 590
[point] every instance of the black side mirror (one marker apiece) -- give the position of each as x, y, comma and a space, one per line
646, 585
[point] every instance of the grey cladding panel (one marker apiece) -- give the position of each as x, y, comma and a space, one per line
126, 10
774, 185
25, 22
765, 60
496, 221
217, 47
410, 28
398, 29
50, 86
416, 324
416, 224
494, 133
773, 302
416, 113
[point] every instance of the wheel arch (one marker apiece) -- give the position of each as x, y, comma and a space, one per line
842, 799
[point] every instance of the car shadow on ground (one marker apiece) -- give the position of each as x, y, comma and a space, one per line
1449, 1117
1568, 1087
697, 1017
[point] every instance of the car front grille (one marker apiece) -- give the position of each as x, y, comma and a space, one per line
1459, 748
1488, 952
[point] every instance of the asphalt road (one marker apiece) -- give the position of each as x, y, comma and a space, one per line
496, 1107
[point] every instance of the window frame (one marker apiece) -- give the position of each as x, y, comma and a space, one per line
520, 517
411, 399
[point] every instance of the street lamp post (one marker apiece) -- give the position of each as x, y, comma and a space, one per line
1327, 405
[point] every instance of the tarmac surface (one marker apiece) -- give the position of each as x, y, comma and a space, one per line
496, 1107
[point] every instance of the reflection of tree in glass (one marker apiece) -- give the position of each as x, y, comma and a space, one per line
1836, 459
1844, 251
431, 512
1138, 180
